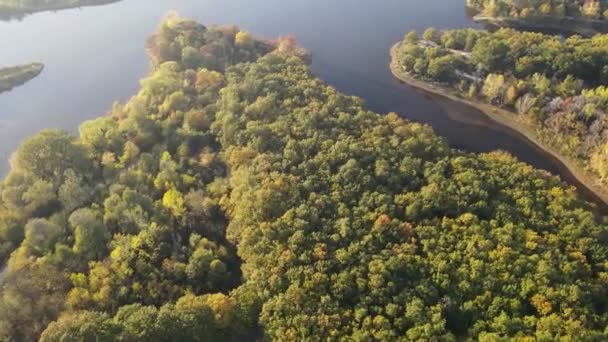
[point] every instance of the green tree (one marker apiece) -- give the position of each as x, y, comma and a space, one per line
492, 54
30, 298
82, 326
411, 38
49, 153
90, 235
430, 34
494, 88
174, 201
244, 39
41, 237
443, 68
569, 87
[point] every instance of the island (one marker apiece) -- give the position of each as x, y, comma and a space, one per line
551, 90
11, 77
16, 9
237, 197
585, 18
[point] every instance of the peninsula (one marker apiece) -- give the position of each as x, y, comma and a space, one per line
551, 91
11, 77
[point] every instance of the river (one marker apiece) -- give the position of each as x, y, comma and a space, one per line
95, 55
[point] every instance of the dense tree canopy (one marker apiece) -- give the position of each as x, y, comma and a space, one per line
557, 86
591, 9
237, 197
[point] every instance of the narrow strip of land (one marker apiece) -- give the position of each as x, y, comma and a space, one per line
11, 77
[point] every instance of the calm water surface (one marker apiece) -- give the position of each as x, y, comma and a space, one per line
95, 56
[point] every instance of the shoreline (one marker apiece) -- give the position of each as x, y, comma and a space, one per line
18, 75
9, 13
503, 118
582, 26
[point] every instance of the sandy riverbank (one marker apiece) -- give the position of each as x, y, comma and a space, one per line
504, 118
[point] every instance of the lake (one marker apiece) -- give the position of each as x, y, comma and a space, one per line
95, 56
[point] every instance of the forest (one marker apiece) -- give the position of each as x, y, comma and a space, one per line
11, 77
558, 87
588, 9
237, 197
